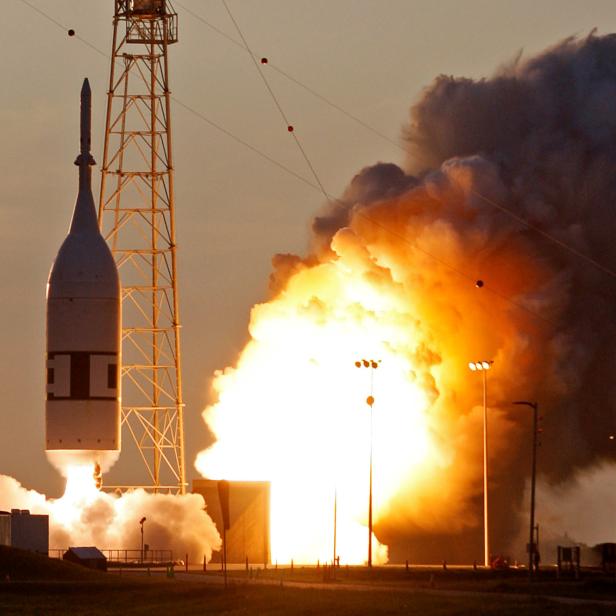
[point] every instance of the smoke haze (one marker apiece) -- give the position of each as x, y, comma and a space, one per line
392, 274
578, 511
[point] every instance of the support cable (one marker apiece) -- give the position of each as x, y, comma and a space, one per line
383, 136
343, 204
294, 80
545, 234
288, 124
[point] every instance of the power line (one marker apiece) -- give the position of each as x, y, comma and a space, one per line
294, 80
62, 27
241, 141
336, 201
187, 107
400, 146
288, 124
318, 186
545, 234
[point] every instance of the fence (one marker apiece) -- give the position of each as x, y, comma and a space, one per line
128, 557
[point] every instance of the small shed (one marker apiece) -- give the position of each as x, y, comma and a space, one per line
90, 557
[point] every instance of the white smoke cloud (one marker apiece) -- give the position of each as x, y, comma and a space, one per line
85, 516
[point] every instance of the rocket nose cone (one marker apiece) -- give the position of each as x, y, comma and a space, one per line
84, 268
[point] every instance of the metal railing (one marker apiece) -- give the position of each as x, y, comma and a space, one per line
128, 557
135, 557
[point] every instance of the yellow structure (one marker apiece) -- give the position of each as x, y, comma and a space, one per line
137, 216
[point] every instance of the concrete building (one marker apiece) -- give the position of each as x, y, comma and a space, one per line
248, 536
21, 529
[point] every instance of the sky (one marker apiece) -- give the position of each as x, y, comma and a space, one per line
234, 209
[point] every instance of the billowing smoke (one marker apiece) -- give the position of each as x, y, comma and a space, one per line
393, 276
65, 459
83, 516
579, 511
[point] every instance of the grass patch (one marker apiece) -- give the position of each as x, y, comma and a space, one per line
167, 597
18, 564
39, 586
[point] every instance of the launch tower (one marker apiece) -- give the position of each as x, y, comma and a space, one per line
136, 215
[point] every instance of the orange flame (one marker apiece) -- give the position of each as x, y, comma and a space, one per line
293, 411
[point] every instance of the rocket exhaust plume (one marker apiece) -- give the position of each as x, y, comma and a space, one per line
83, 402
86, 516
392, 275
83, 333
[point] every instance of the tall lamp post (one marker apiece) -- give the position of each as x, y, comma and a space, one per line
483, 366
141, 522
372, 365
335, 523
531, 543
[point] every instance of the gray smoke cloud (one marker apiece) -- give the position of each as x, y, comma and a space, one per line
539, 139
549, 126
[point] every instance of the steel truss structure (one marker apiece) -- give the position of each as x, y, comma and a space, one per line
136, 215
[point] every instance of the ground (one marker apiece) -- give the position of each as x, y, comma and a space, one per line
38, 586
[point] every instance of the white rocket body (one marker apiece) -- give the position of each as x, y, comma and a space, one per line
84, 330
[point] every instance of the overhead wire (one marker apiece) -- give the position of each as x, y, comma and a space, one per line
241, 141
334, 200
187, 107
545, 234
318, 186
315, 93
288, 124
293, 79
61, 26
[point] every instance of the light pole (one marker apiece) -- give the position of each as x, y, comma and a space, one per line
531, 543
372, 365
141, 522
335, 523
483, 366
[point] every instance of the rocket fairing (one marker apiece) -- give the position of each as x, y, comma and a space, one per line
83, 327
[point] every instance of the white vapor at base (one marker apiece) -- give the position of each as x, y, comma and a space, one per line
85, 516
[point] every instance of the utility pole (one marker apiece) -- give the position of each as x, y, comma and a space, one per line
137, 217
335, 522
531, 544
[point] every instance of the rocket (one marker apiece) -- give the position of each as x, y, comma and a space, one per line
82, 412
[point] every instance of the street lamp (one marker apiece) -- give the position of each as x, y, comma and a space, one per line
372, 365
531, 544
335, 523
141, 523
483, 366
